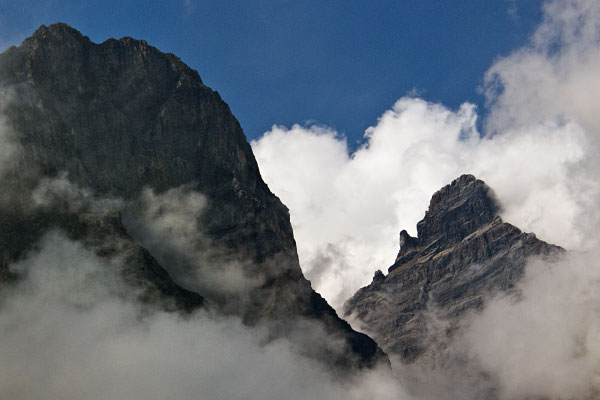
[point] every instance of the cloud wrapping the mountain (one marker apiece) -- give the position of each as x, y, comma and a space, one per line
347, 210
167, 224
539, 151
71, 329
543, 344
51, 192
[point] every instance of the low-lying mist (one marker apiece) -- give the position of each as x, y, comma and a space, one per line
72, 329
71, 326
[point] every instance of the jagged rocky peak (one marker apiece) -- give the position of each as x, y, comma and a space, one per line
117, 117
59, 32
457, 210
463, 253
407, 242
378, 276
59, 39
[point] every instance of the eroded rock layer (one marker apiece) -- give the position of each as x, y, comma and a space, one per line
463, 253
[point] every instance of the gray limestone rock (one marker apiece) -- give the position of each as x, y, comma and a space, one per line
463, 253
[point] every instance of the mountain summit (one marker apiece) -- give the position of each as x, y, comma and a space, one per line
457, 210
463, 253
123, 122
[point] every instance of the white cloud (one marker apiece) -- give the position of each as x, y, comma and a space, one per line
555, 75
544, 344
347, 210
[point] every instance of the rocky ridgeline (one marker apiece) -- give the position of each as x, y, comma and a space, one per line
463, 252
120, 116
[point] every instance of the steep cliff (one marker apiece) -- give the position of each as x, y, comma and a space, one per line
463, 253
121, 117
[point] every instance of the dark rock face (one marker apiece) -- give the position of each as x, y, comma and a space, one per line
463, 253
120, 116
105, 234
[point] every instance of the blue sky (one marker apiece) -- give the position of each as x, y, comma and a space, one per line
337, 63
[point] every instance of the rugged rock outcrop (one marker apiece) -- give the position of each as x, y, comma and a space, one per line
463, 253
120, 116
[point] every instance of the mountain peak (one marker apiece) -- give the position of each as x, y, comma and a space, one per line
59, 31
463, 253
457, 210
120, 117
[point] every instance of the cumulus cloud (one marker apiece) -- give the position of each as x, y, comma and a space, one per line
69, 329
555, 78
542, 344
538, 152
554, 75
347, 210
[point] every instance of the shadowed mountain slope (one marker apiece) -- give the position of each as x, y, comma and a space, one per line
121, 116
